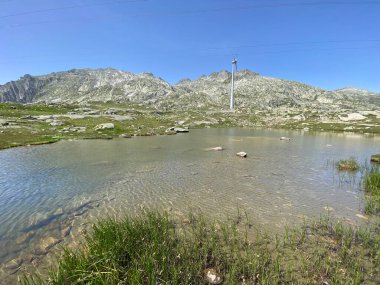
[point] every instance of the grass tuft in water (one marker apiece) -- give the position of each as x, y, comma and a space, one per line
372, 188
347, 165
154, 249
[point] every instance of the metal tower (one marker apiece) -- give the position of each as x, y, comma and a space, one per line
234, 68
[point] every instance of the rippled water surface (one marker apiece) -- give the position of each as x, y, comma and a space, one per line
47, 189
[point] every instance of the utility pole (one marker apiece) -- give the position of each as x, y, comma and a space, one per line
234, 68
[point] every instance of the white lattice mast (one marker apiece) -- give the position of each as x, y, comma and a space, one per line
234, 68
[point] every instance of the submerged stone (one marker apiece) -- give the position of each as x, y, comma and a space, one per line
217, 148
25, 237
47, 244
66, 231
14, 264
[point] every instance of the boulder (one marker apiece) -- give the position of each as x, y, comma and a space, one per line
352, 117
3, 122
242, 154
44, 117
181, 130
375, 158
125, 136
108, 126
55, 123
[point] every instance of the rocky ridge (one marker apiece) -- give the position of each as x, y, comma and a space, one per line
81, 85
253, 92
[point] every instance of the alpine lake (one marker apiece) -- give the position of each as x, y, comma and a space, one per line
50, 195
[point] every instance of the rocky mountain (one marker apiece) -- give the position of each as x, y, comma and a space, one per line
259, 92
252, 91
79, 85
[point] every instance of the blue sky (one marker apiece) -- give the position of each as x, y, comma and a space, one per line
328, 44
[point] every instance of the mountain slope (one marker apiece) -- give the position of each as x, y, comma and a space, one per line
252, 91
79, 85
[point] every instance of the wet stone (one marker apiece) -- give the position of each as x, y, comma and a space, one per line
65, 232
14, 264
47, 244
58, 212
25, 237
80, 213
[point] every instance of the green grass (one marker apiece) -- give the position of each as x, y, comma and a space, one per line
156, 249
372, 189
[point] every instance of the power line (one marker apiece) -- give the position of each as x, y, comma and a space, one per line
245, 7
68, 7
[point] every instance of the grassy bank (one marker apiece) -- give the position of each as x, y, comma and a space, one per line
156, 249
39, 123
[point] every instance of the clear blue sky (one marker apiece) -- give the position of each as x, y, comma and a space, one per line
329, 44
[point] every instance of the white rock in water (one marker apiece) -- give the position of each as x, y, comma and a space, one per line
218, 148
105, 126
181, 130
126, 136
242, 154
284, 139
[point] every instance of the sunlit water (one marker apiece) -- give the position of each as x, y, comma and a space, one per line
45, 189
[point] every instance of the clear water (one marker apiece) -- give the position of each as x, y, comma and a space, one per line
43, 189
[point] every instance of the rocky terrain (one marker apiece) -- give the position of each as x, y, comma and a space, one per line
81, 85
253, 92
107, 103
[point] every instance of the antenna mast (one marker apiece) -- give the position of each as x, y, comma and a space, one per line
234, 68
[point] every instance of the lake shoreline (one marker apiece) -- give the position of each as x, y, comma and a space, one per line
35, 124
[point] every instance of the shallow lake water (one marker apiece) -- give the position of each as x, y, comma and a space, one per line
45, 190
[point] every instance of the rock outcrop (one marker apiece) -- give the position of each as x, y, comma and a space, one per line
252, 91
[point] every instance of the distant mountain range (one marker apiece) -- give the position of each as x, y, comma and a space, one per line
212, 91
